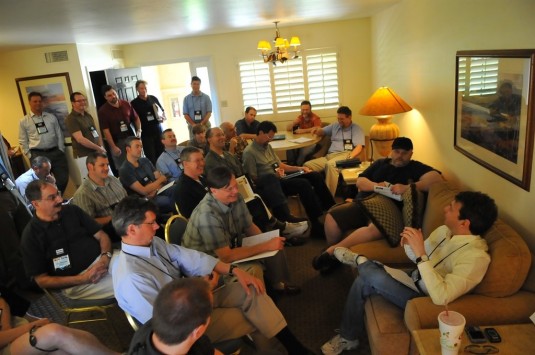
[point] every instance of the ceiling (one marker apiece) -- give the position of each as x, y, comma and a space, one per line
46, 22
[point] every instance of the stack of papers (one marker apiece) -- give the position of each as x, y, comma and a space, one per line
257, 239
300, 140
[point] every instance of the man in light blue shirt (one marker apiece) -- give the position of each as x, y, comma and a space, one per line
347, 141
168, 162
197, 107
146, 264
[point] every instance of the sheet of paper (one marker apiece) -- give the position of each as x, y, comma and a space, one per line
402, 277
386, 192
257, 239
300, 140
165, 187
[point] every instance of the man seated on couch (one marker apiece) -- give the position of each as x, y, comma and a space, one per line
450, 263
399, 171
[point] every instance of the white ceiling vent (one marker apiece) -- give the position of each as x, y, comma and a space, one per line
54, 57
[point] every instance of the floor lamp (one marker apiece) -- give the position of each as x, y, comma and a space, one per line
383, 104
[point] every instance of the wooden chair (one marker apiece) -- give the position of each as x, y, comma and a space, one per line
175, 228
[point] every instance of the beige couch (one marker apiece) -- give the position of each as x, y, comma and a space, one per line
505, 296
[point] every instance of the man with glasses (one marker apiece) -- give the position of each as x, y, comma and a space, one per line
63, 247
449, 263
40, 170
146, 264
347, 141
267, 171
168, 162
220, 222
40, 134
84, 133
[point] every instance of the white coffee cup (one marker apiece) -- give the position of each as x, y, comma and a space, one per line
451, 325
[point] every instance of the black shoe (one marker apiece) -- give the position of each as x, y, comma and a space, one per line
288, 289
325, 263
294, 241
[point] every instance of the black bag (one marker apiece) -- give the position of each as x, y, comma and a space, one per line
348, 163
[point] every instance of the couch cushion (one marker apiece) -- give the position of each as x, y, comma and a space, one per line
439, 195
413, 207
510, 262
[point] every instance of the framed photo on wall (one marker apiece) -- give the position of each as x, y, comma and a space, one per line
55, 88
494, 117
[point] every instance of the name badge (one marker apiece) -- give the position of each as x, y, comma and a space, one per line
41, 127
197, 116
124, 128
62, 262
348, 146
146, 180
150, 116
94, 132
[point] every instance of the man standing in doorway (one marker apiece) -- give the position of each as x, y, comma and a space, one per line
40, 135
146, 107
197, 107
115, 118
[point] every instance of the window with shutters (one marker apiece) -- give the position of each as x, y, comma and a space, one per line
478, 76
281, 88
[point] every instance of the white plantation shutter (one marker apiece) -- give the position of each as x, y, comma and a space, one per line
256, 86
282, 87
322, 72
289, 85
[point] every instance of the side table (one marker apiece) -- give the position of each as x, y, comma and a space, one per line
516, 339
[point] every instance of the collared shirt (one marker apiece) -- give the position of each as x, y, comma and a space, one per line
194, 103
140, 273
314, 121
110, 117
214, 225
213, 160
23, 181
258, 160
457, 263
338, 135
243, 127
142, 344
99, 201
29, 138
72, 235
168, 161
143, 173
84, 123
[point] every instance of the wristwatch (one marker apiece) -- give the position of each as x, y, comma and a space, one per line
421, 259
108, 254
232, 267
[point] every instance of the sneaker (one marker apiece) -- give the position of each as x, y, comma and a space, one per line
346, 256
294, 229
338, 344
294, 219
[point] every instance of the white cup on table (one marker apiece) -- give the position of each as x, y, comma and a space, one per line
451, 325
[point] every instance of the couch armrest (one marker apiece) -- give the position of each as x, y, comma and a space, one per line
421, 313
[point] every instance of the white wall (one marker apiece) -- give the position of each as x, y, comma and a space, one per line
414, 47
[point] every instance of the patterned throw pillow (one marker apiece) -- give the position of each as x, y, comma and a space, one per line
413, 207
386, 216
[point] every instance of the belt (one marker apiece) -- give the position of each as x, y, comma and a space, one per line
44, 150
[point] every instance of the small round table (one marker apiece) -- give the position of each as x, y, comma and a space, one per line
294, 141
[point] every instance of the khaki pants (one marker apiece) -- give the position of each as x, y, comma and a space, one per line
328, 164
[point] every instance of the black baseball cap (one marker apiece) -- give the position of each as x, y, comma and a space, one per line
402, 143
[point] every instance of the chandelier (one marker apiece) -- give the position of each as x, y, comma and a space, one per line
282, 48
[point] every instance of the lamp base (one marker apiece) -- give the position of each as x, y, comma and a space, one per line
382, 134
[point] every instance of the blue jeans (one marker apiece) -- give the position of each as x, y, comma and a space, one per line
372, 279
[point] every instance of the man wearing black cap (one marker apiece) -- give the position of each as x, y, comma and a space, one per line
396, 172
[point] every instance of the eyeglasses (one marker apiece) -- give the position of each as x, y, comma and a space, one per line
150, 223
481, 349
82, 100
52, 197
229, 188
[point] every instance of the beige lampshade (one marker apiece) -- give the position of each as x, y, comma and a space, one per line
384, 102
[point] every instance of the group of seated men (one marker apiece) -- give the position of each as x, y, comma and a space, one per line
63, 247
